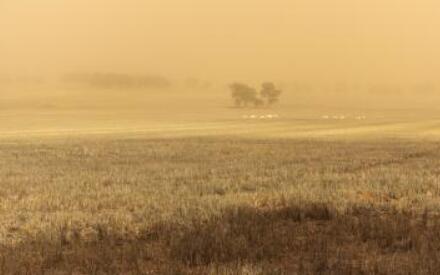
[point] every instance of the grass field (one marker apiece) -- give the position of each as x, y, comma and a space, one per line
204, 191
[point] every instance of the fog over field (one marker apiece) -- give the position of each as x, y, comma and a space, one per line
219, 137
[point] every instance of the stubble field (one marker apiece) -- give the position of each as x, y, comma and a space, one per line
217, 195
96, 206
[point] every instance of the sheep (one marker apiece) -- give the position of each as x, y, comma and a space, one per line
252, 116
325, 117
361, 117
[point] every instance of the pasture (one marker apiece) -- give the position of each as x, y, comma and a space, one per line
181, 187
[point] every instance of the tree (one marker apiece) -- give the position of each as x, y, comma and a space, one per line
243, 94
270, 93
258, 102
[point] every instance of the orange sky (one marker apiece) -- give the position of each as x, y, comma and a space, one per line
313, 40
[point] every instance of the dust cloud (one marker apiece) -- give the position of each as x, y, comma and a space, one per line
340, 53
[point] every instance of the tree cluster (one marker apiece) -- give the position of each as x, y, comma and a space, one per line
117, 81
244, 95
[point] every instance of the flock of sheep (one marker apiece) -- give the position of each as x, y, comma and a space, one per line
269, 116
334, 117
342, 117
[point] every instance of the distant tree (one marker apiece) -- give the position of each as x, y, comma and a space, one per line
243, 94
258, 102
270, 93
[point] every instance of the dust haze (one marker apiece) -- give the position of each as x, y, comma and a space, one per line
342, 55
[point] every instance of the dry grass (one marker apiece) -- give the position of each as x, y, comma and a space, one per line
219, 206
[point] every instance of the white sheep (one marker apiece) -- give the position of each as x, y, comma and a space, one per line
325, 117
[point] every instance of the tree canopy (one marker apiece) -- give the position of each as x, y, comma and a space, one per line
270, 93
245, 95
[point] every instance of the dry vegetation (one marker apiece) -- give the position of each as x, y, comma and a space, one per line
108, 205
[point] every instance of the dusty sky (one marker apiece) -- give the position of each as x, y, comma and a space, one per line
311, 40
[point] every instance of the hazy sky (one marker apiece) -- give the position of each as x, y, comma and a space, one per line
225, 39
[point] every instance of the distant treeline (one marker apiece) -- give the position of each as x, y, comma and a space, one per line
117, 81
7, 79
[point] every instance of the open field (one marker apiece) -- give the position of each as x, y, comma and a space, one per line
221, 205
207, 115
207, 191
